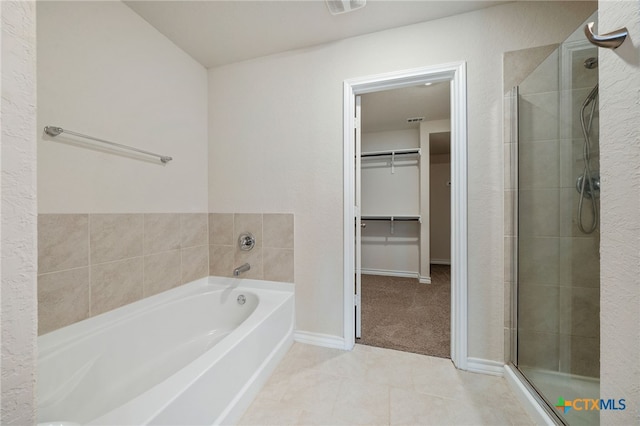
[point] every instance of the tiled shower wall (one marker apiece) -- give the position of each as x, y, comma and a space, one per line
510, 238
92, 263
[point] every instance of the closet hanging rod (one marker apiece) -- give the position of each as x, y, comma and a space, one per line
392, 218
393, 152
55, 131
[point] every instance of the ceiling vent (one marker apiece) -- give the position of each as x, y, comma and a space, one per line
336, 7
415, 119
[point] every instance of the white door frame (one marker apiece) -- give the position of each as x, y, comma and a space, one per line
457, 75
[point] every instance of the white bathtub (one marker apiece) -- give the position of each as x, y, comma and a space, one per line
189, 356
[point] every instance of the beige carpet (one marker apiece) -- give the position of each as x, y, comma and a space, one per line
402, 314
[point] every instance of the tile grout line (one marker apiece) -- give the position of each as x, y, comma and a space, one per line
90, 266
262, 245
389, 402
208, 247
180, 234
144, 222
63, 270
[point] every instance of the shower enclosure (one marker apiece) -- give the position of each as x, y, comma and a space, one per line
556, 280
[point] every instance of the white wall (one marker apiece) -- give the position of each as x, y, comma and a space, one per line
275, 137
396, 139
18, 313
384, 192
387, 193
394, 254
620, 203
105, 72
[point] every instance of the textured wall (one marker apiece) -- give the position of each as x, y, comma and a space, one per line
620, 201
278, 120
18, 242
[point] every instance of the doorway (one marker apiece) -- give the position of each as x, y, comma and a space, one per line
455, 75
405, 219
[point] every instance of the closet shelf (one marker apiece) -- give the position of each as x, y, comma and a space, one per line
391, 152
392, 218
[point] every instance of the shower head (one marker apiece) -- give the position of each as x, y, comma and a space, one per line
591, 63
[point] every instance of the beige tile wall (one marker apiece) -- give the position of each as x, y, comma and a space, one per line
271, 259
90, 264
510, 224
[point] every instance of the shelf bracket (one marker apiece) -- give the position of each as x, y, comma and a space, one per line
393, 164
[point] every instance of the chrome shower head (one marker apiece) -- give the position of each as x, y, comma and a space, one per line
591, 63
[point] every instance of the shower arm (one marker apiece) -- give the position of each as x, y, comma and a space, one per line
611, 40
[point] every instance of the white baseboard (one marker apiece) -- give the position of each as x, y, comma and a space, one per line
485, 366
400, 274
533, 408
389, 273
440, 261
319, 339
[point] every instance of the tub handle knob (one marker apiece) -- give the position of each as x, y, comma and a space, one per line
246, 241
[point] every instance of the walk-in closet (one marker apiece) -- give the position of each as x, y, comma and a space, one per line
405, 215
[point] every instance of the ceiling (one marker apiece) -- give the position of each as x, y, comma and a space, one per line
216, 32
219, 32
389, 109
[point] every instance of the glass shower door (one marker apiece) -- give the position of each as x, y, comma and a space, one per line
558, 285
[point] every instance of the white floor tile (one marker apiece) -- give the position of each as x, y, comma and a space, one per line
312, 391
362, 403
268, 412
375, 386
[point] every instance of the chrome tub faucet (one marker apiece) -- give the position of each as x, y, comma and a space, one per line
240, 269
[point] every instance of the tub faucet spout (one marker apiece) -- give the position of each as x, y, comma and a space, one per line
240, 269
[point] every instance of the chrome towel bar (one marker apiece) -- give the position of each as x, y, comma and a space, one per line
55, 131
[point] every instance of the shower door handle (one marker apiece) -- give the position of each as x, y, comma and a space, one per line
610, 40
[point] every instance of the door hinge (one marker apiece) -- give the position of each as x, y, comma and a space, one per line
356, 299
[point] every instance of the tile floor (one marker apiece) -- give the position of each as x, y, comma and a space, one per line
375, 386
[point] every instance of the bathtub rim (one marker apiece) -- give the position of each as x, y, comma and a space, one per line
53, 340
277, 294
